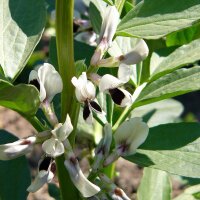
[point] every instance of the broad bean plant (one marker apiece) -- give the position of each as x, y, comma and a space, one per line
108, 63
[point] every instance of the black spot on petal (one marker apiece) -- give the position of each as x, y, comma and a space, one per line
95, 106
86, 111
44, 165
35, 83
117, 95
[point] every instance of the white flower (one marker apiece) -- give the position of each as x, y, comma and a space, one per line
46, 172
47, 80
85, 93
87, 188
108, 29
54, 146
111, 85
136, 55
109, 24
128, 137
16, 149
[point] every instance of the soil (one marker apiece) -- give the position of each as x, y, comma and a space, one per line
129, 173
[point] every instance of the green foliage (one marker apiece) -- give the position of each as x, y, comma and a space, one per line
153, 19
155, 184
181, 56
21, 98
22, 25
96, 17
176, 83
184, 36
173, 148
165, 111
54, 191
15, 174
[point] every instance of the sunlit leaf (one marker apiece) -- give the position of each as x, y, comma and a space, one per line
22, 25
153, 19
173, 148
155, 184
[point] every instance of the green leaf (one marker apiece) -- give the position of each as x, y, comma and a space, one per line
173, 148
21, 98
109, 2
80, 67
54, 191
95, 17
176, 83
22, 25
165, 111
184, 36
15, 174
155, 184
153, 19
181, 56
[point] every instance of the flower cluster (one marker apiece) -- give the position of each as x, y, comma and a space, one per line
127, 138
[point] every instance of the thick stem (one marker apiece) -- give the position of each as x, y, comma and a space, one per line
65, 52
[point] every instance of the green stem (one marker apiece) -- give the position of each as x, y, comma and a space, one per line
35, 123
109, 171
65, 52
139, 72
109, 106
123, 117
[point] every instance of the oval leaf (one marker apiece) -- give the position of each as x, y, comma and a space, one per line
153, 19
176, 83
21, 98
155, 184
183, 55
173, 148
22, 24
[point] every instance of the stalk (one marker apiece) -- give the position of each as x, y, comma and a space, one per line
65, 52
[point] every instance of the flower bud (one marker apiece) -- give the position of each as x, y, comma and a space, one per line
103, 148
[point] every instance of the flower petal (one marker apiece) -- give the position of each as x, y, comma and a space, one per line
109, 24
121, 97
62, 131
51, 80
139, 53
84, 89
124, 73
34, 80
53, 147
109, 82
87, 114
86, 187
95, 106
133, 132
42, 178
16, 149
